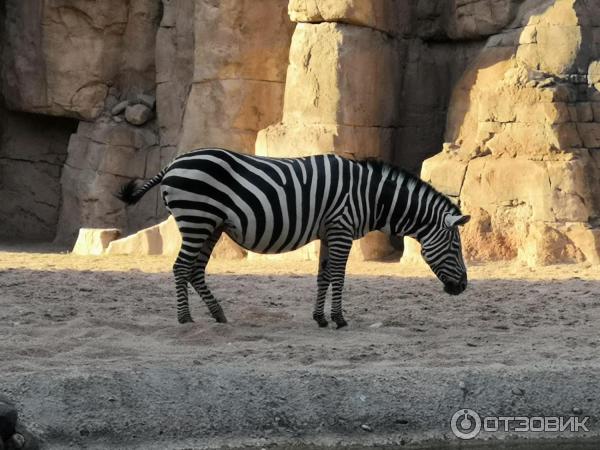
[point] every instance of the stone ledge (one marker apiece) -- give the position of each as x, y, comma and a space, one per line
213, 405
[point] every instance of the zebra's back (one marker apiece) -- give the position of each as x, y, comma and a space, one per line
267, 205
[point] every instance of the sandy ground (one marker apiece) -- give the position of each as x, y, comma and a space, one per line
65, 318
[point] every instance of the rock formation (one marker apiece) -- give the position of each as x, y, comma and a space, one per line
94, 94
216, 70
523, 134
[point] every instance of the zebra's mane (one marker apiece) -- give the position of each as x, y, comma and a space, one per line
394, 172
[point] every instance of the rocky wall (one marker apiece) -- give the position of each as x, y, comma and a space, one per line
102, 156
509, 88
32, 156
148, 79
374, 79
60, 57
522, 153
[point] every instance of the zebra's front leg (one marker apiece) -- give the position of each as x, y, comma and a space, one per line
198, 279
323, 281
339, 249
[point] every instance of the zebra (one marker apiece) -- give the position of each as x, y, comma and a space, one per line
275, 205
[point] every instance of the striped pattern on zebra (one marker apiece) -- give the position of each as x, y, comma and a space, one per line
270, 205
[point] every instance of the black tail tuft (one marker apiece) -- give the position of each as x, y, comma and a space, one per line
128, 193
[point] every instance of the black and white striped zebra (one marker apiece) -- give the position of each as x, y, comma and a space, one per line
270, 205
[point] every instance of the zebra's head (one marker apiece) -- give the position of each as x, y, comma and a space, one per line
442, 251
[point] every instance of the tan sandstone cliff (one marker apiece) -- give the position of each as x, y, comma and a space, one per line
523, 138
95, 93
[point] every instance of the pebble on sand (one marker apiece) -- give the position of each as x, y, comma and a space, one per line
518, 391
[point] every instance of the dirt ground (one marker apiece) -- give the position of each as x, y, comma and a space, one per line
63, 315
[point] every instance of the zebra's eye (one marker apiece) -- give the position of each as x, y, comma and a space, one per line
444, 278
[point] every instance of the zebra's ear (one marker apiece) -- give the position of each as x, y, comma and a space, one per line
452, 220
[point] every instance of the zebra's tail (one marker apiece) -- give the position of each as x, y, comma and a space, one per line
131, 194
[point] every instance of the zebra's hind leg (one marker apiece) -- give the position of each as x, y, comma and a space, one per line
198, 278
323, 281
340, 244
192, 242
181, 270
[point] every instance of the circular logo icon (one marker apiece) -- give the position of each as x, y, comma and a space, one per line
465, 424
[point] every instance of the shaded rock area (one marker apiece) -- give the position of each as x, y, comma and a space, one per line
507, 87
33, 151
101, 156
141, 76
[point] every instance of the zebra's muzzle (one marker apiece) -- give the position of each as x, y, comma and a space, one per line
453, 288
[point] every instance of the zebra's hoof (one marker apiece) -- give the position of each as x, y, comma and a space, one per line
186, 319
322, 322
320, 319
340, 322
220, 318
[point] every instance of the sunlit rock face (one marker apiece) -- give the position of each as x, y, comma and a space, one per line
522, 137
498, 97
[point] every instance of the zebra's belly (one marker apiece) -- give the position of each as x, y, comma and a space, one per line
280, 243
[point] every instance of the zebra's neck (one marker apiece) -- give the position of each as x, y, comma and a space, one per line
408, 206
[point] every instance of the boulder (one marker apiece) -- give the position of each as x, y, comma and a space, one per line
161, 239
390, 16
119, 108
545, 245
94, 241
138, 114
